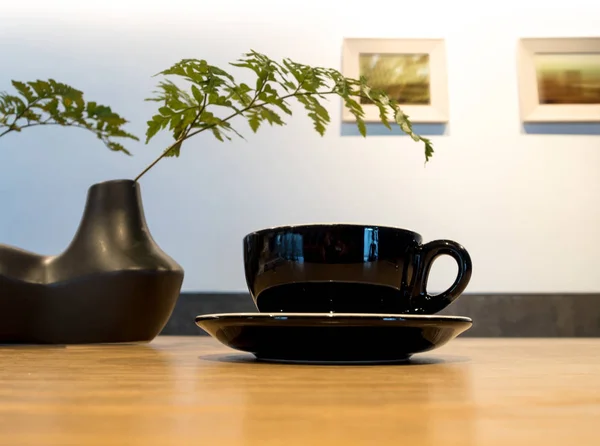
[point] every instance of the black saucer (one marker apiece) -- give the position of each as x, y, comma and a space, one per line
332, 337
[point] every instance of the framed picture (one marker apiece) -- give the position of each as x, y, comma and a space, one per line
559, 79
411, 71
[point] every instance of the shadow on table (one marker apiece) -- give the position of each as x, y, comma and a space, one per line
420, 360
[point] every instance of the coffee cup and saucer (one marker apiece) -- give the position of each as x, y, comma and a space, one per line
342, 293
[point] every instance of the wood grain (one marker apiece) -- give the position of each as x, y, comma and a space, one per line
193, 391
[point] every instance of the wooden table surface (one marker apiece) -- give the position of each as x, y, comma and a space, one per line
193, 391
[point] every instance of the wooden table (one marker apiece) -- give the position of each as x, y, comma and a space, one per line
193, 391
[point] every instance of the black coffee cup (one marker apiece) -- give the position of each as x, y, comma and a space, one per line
347, 268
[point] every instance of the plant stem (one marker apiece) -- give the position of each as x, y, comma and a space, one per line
179, 140
233, 115
66, 124
12, 127
153, 163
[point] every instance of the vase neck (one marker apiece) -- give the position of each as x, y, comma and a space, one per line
113, 214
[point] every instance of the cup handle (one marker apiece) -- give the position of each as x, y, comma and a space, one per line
426, 303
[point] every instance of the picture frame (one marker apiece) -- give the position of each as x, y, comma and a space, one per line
555, 84
426, 97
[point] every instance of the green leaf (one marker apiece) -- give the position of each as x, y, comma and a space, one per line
154, 126
197, 94
270, 116
428, 149
17, 105
321, 112
227, 127
175, 121
316, 112
116, 147
254, 121
174, 151
40, 87
219, 135
239, 94
283, 106
24, 89
189, 116
175, 103
361, 126
383, 115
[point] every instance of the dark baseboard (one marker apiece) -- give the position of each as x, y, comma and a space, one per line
494, 315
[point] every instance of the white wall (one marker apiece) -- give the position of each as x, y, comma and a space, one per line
527, 207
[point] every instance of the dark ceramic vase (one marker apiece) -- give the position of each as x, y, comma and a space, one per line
112, 283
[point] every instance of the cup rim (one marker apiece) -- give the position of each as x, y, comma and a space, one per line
301, 226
